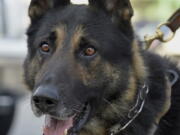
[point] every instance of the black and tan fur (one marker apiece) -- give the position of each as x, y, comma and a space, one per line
110, 80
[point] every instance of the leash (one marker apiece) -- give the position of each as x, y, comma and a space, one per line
172, 25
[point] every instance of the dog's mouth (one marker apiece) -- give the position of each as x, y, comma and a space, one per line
70, 126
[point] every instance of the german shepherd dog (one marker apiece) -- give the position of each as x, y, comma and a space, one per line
90, 76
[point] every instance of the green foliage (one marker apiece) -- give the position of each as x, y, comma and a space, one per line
155, 10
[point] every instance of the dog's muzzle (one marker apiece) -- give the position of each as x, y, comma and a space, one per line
45, 98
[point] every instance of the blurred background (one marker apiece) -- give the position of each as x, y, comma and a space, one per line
15, 112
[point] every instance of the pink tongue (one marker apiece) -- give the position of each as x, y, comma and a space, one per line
56, 127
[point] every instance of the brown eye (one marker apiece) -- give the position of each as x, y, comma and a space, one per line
45, 48
89, 51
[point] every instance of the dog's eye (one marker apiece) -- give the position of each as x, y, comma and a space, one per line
89, 51
45, 47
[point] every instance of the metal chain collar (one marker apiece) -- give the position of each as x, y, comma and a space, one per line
133, 112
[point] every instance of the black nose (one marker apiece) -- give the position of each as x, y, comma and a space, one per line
45, 98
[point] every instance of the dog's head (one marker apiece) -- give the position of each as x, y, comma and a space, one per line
78, 56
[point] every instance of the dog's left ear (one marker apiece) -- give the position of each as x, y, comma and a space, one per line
120, 10
38, 8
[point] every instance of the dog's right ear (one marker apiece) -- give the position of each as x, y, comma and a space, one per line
38, 8
120, 12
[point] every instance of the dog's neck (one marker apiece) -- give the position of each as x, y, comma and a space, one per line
133, 112
125, 116
141, 122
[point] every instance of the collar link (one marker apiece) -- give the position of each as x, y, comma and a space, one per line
133, 112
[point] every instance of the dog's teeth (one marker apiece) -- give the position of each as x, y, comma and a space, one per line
65, 132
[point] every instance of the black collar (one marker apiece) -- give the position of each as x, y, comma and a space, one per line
133, 112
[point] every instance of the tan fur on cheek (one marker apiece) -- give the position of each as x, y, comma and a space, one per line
89, 74
138, 63
95, 127
167, 103
130, 93
113, 74
111, 71
119, 108
86, 77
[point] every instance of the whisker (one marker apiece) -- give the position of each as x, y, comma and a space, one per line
115, 109
76, 110
118, 109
